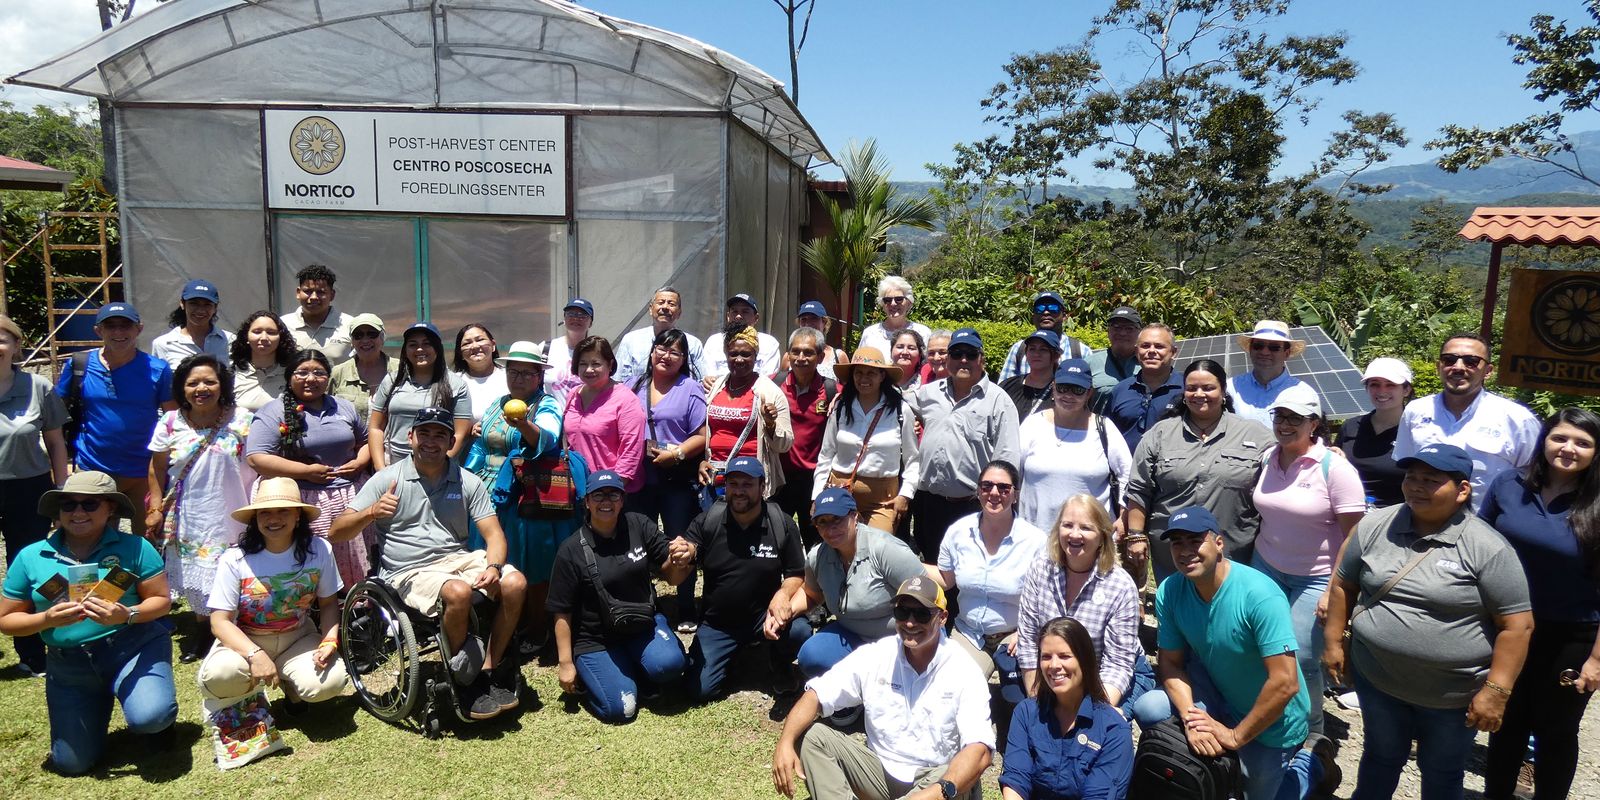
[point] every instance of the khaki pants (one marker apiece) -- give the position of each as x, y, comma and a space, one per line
225, 675
874, 498
838, 767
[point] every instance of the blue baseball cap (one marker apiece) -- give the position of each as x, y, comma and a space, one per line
747, 465
200, 290
434, 415
426, 327
743, 298
1050, 296
813, 307
604, 479
581, 304
1048, 337
1194, 519
968, 337
833, 502
1443, 457
118, 309
1075, 372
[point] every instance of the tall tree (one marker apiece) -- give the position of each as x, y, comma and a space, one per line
1562, 67
797, 39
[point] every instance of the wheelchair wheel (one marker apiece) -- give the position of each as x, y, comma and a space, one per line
380, 652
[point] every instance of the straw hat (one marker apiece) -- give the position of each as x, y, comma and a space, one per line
869, 357
276, 493
524, 352
86, 484
1271, 330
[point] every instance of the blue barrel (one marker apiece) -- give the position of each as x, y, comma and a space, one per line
80, 327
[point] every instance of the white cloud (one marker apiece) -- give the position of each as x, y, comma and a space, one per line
32, 31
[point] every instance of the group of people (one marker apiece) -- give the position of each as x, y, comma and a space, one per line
893, 528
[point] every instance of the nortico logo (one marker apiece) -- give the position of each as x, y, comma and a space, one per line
317, 145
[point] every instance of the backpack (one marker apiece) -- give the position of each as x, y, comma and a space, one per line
718, 512
71, 429
1164, 768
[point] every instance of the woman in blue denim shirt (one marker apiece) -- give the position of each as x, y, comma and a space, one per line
98, 649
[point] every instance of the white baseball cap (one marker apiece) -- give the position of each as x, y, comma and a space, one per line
1392, 370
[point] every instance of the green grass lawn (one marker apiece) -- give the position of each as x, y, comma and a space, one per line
672, 750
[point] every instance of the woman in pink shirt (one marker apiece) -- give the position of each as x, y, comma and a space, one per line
1309, 498
604, 421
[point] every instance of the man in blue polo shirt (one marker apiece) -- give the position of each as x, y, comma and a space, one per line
1227, 664
1269, 348
1141, 401
123, 393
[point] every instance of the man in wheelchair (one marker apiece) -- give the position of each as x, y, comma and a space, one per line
421, 506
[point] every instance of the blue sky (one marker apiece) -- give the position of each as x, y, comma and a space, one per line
911, 73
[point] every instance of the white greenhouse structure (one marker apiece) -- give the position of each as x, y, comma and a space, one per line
452, 160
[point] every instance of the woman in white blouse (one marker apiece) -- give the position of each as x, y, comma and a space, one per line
1068, 450
882, 475
262, 352
474, 364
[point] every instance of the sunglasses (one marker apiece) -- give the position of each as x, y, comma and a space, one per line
90, 506
964, 354
366, 334
611, 495
1289, 417
922, 614
1072, 389
1271, 347
1450, 359
991, 486
1047, 308
892, 301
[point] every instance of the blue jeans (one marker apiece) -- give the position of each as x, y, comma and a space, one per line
1443, 744
828, 646
132, 666
611, 677
1304, 591
713, 649
1270, 773
674, 507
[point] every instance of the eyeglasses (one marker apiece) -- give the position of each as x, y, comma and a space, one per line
991, 486
922, 614
964, 354
1072, 389
310, 374
1289, 417
1271, 347
666, 351
893, 301
606, 495
366, 334
1450, 359
1047, 308
90, 505
523, 374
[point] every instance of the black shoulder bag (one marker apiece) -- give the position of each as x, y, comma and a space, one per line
619, 617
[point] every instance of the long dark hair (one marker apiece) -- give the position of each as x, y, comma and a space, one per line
291, 439
253, 541
459, 362
1077, 638
239, 351
180, 376
1585, 514
1181, 409
443, 393
675, 339
847, 397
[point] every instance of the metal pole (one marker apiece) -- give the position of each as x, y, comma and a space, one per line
1491, 290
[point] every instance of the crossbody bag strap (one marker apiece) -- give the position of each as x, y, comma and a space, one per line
1115, 485
1377, 597
871, 426
593, 569
174, 488
744, 435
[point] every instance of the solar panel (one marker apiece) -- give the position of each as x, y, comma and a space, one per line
1322, 364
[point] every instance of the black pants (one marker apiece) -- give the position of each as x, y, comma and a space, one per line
795, 499
22, 526
1540, 705
932, 515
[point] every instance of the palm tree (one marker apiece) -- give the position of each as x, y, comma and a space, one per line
861, 229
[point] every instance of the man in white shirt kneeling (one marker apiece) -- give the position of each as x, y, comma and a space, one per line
926, 708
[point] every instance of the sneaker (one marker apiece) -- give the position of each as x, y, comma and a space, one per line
503, 688
687, 627
30, 670
292, 708
1325, 751
1348, 701
483, 705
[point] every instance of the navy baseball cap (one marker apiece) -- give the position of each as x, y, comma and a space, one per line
747, 465
434, 415
581, 304
425, 327
833, 502
118, 309
1443, 457
200, 290
813, 307
1048, 296
604, 479
743, 298
1125, 314
1048, 337
1075, 372
1194, 519
968, 337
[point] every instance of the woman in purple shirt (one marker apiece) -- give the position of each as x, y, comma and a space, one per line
675, 411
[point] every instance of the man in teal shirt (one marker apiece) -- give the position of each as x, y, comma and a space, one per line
1228, 666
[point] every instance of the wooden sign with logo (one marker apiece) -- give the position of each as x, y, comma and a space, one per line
1552, 333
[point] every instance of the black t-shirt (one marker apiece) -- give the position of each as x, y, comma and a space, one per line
1026, 398
624, 569
1372, 454
743, 567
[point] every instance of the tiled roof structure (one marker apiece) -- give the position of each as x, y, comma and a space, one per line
1528, 226
18, 174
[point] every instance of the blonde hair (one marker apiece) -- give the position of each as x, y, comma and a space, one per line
1106, 559
8, 326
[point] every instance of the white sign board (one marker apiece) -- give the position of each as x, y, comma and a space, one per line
416, 162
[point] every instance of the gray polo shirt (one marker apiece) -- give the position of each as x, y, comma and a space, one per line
1429, 641
27, 410
958, 438
862, 595
1173, 469
431, 521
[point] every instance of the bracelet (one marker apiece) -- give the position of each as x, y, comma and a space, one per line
1135, 537
1495, 687
252, 653
332, 638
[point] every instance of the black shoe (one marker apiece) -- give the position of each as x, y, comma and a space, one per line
1324, 750
195, 647
292, 708
503, 688
484, 705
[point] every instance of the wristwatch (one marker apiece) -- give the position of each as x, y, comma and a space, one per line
500, 568
133, 615
948, 789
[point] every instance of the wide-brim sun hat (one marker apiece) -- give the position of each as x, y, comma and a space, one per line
869, 357
523, 351
86, 484
1272, 330
276, 493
